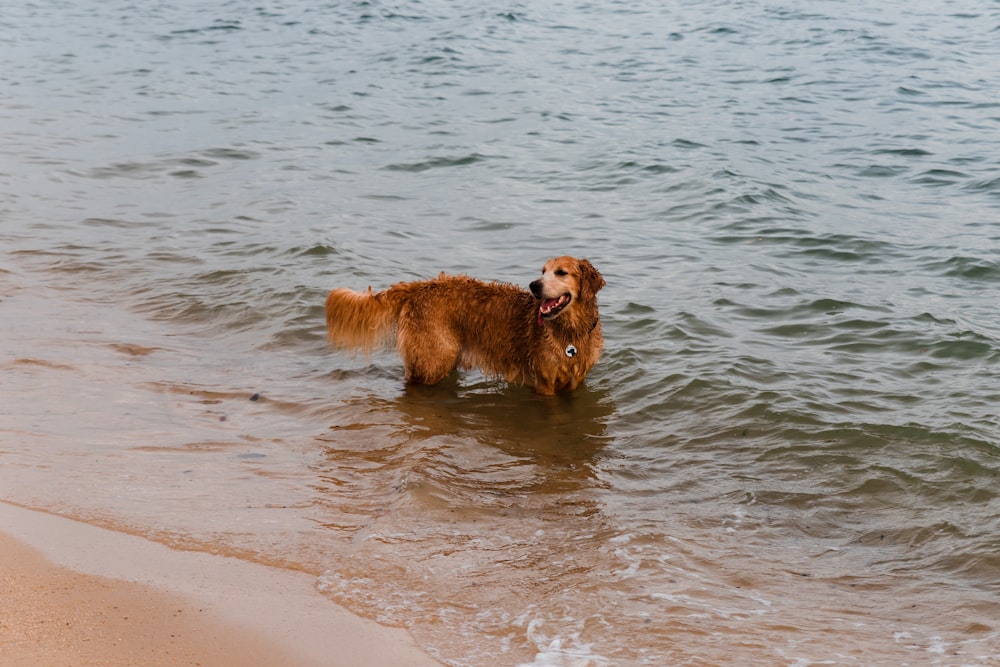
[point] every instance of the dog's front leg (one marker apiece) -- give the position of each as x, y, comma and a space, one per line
545, 386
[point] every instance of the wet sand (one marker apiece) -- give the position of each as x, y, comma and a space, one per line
76, 594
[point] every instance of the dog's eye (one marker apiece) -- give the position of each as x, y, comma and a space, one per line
561, 272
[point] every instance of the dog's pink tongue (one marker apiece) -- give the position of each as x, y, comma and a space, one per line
547, 306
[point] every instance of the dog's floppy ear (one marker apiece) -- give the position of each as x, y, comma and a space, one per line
591, 281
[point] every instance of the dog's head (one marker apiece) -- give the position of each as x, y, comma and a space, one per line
564, 281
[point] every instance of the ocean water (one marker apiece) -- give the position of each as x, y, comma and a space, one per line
789, 452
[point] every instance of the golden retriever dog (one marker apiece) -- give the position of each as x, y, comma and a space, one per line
547, 338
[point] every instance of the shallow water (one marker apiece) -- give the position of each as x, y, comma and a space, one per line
788, 453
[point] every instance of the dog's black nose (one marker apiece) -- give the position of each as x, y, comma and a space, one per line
536, 288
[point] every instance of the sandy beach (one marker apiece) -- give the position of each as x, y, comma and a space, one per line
76, 594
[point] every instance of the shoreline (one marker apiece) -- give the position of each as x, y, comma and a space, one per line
74, 593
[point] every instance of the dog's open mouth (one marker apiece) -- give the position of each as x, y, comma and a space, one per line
552, 307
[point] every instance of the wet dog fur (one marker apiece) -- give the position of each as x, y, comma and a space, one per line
547, 338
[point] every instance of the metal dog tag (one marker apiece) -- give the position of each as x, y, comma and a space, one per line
570, 351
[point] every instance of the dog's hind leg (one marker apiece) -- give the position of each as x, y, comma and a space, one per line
429, 368
428, 357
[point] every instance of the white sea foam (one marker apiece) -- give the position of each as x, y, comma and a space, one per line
563, 650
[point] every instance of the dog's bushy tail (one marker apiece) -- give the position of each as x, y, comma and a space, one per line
360, 320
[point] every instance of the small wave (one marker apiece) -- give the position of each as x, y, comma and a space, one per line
903, 152
939, 177
687, 144
989, 185
963, 346
437, 163
227, 153
113, 223
806, 243
185, 166
973, 269
562, 651
134, 170
218, 26
317, 250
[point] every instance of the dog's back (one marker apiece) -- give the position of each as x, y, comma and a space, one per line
438, 325
460, 321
